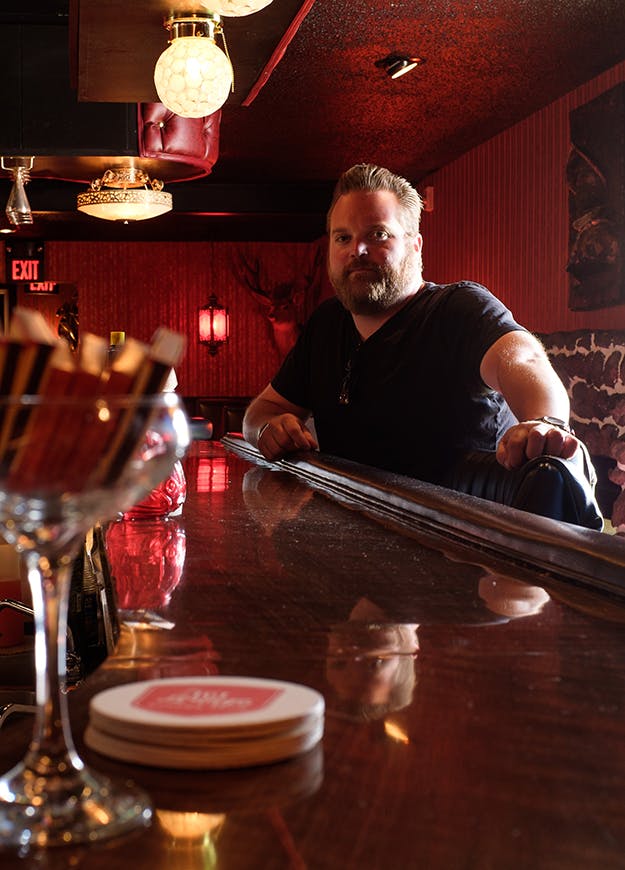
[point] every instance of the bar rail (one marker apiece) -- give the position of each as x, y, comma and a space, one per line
589, 559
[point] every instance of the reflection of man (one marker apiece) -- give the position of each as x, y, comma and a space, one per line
370, 663
401, 373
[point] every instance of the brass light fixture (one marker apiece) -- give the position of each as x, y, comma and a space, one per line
125, 193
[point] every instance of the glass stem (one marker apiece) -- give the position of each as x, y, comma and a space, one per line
51, 749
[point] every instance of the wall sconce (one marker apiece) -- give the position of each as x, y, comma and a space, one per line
193, 76
125, 193
18, 208
397, 65
213, 325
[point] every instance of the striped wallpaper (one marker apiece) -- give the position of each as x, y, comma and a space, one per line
501, 217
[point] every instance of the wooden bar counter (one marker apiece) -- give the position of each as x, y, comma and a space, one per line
474, 684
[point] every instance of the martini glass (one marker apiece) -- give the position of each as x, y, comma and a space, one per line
64, 465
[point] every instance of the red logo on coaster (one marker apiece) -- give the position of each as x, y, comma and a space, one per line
194, 699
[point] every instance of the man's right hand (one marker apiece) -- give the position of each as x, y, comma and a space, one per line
277, 426
283, 434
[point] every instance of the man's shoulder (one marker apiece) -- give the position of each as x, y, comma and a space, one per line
457, 287
463, 294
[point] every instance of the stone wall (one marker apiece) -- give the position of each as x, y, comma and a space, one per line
592, 368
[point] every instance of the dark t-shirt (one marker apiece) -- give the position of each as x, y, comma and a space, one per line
412, 395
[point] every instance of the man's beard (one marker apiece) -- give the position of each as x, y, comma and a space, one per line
380, 289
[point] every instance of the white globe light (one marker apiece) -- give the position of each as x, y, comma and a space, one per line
193, 77
234, 8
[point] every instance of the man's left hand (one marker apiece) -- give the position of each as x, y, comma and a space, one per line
534, 438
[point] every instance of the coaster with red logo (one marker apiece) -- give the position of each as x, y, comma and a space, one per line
200, 722
198, 699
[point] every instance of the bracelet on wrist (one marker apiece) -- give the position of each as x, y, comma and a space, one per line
261, 432
558, 424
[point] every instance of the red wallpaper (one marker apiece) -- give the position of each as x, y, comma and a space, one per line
501, 218
139, 286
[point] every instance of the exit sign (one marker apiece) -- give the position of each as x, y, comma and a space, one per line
24, 261
42, 287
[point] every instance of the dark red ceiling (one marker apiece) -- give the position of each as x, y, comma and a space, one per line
487, 64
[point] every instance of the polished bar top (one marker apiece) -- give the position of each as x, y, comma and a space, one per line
475, 709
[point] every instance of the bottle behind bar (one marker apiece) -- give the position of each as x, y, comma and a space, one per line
117, 340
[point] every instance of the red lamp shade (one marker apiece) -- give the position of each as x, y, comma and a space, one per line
213, 324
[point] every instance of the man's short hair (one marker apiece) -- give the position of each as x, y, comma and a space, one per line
370, 178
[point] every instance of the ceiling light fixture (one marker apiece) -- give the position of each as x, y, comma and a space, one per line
397, 65
125, 193
18, 208
193, 76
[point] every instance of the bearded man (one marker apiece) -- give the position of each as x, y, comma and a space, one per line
401, 373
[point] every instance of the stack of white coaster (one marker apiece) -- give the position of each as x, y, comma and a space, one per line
205, 722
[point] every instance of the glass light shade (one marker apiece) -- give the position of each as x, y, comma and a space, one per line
213, 324
396, 65
403, 66
235, 8
132, 204
18, 208
193, 77
125, 193
220, 325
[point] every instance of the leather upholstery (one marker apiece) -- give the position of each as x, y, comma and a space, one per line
165, 136
548, 486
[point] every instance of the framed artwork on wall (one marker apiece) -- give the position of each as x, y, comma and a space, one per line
595, 175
